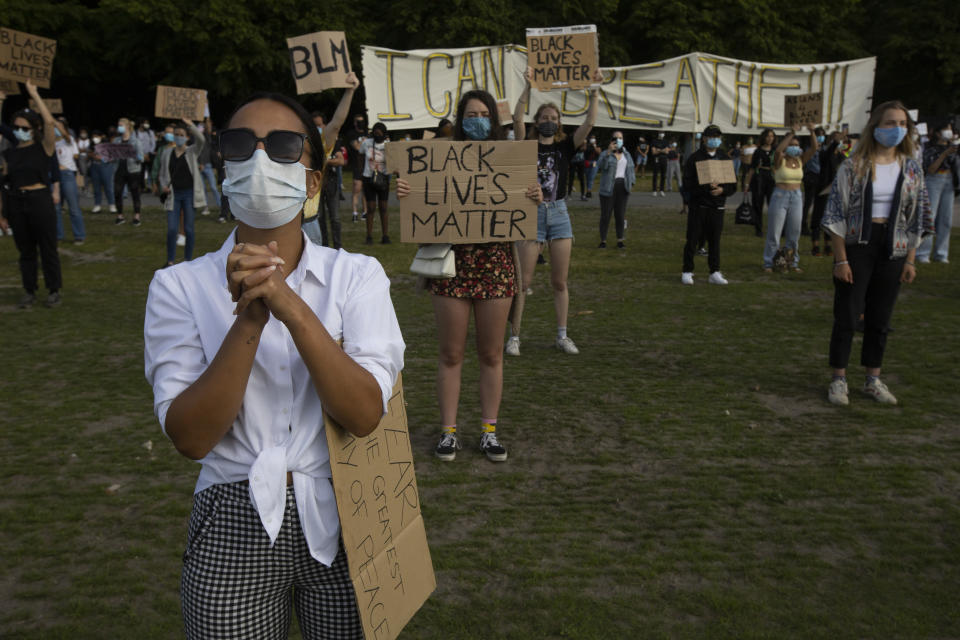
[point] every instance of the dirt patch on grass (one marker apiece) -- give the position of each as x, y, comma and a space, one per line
82, 257
110, 423
785, 407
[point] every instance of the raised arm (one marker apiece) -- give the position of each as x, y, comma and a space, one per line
519, 128
332, 131
814, 146
49, 140
784, 143
584, 129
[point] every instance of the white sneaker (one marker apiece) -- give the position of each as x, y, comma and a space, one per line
837, 393
96, 209
529, 291
879, 392
113, 208
663, 195
566, 345
717, 278
181, 240
513, 346
205, 211
686, 277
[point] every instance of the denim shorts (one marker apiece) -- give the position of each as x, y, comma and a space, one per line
553, 221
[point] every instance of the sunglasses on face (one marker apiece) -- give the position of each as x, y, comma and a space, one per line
285, 147
19, 128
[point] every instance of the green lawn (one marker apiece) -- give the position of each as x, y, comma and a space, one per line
683, 476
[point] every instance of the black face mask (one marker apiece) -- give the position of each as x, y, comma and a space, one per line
359, 125
379, 137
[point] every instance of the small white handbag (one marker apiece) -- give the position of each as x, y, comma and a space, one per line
434, 261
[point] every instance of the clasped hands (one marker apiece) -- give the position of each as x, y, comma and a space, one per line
256, 278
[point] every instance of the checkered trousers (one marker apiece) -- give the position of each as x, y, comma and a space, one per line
234, 585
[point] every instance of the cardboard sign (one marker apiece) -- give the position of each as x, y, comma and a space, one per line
109, 151
504, 112
24, 56
428, 134
716, 172
9, 87
563, 57
319, 61
802, 109
53, 105
465, 192
179, 102
914, 114
382, 527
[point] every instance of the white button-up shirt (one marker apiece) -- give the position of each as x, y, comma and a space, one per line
280, 425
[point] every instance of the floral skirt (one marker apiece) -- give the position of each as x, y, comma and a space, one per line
484, 271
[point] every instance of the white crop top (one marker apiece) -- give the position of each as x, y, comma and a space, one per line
883, 188
621, 167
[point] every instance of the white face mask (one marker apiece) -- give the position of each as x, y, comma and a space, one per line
946, 135
265, 194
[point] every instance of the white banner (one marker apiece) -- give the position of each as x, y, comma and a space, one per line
415, 89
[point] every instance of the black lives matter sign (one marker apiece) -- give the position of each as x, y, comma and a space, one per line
24, 56
562, 57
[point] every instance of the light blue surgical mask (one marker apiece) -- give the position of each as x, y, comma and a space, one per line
477, 128
180, 140
168, 136
889, 136
320, 130
794, 150
820, 139
57, 133
619, 143
23, 136
121, 129
713, 143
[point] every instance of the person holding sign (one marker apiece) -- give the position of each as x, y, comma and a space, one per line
28, 207
616, 181
707, 199
786, 204
553, 221
484, 285
241, 348
876, 214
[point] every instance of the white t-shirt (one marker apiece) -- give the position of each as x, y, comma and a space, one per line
621, 166
65, 152
883, 188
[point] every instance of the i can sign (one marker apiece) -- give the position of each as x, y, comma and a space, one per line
319, 61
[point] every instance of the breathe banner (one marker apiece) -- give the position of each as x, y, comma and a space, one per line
415, 89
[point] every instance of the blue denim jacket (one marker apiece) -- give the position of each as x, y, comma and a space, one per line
607, 166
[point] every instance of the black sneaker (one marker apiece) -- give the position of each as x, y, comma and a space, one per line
385, 240
490, 446
620, 244
26, 301
447, 447
369, 240
53, 300
602, 245
136, 222
119, 220
541, 259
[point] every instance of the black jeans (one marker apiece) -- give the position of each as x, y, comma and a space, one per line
132, 182
33, 220
660, 169
330, 211
876, 283
761, 188
819, 207
810, 183
615, 204
703, 222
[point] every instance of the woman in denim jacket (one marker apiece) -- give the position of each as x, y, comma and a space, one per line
616, 181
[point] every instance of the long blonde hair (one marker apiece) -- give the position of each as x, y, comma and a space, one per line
559, 135
866, 150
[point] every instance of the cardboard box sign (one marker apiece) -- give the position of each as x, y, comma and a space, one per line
503, 111
802, 109
716, 171
9, 87
465, 192
563, 57
319, 61
24, 56
53, 105
180, 102
382, 527
109, 151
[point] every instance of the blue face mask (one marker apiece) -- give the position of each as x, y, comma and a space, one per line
477, 128
23, 136
57, 133
619, 143
180, 140
889, 136
168, 136
793, 151
713, 143
121, 129
820, 139
320, 130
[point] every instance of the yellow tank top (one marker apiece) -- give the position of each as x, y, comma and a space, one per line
788, 175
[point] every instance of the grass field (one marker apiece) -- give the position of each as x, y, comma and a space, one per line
683, 477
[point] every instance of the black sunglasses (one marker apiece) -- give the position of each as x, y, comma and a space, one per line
19, 128
285, 147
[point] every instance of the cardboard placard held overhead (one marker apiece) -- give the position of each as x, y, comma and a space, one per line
24, 56
914, 114
922, 128
802, 109
109, 151
716, 172
54, 105
381, 522
9, 86
319, 61
465, 192
563, 57
180, 102
503, 111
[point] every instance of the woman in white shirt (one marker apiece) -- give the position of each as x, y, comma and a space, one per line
616, 181
241, 348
